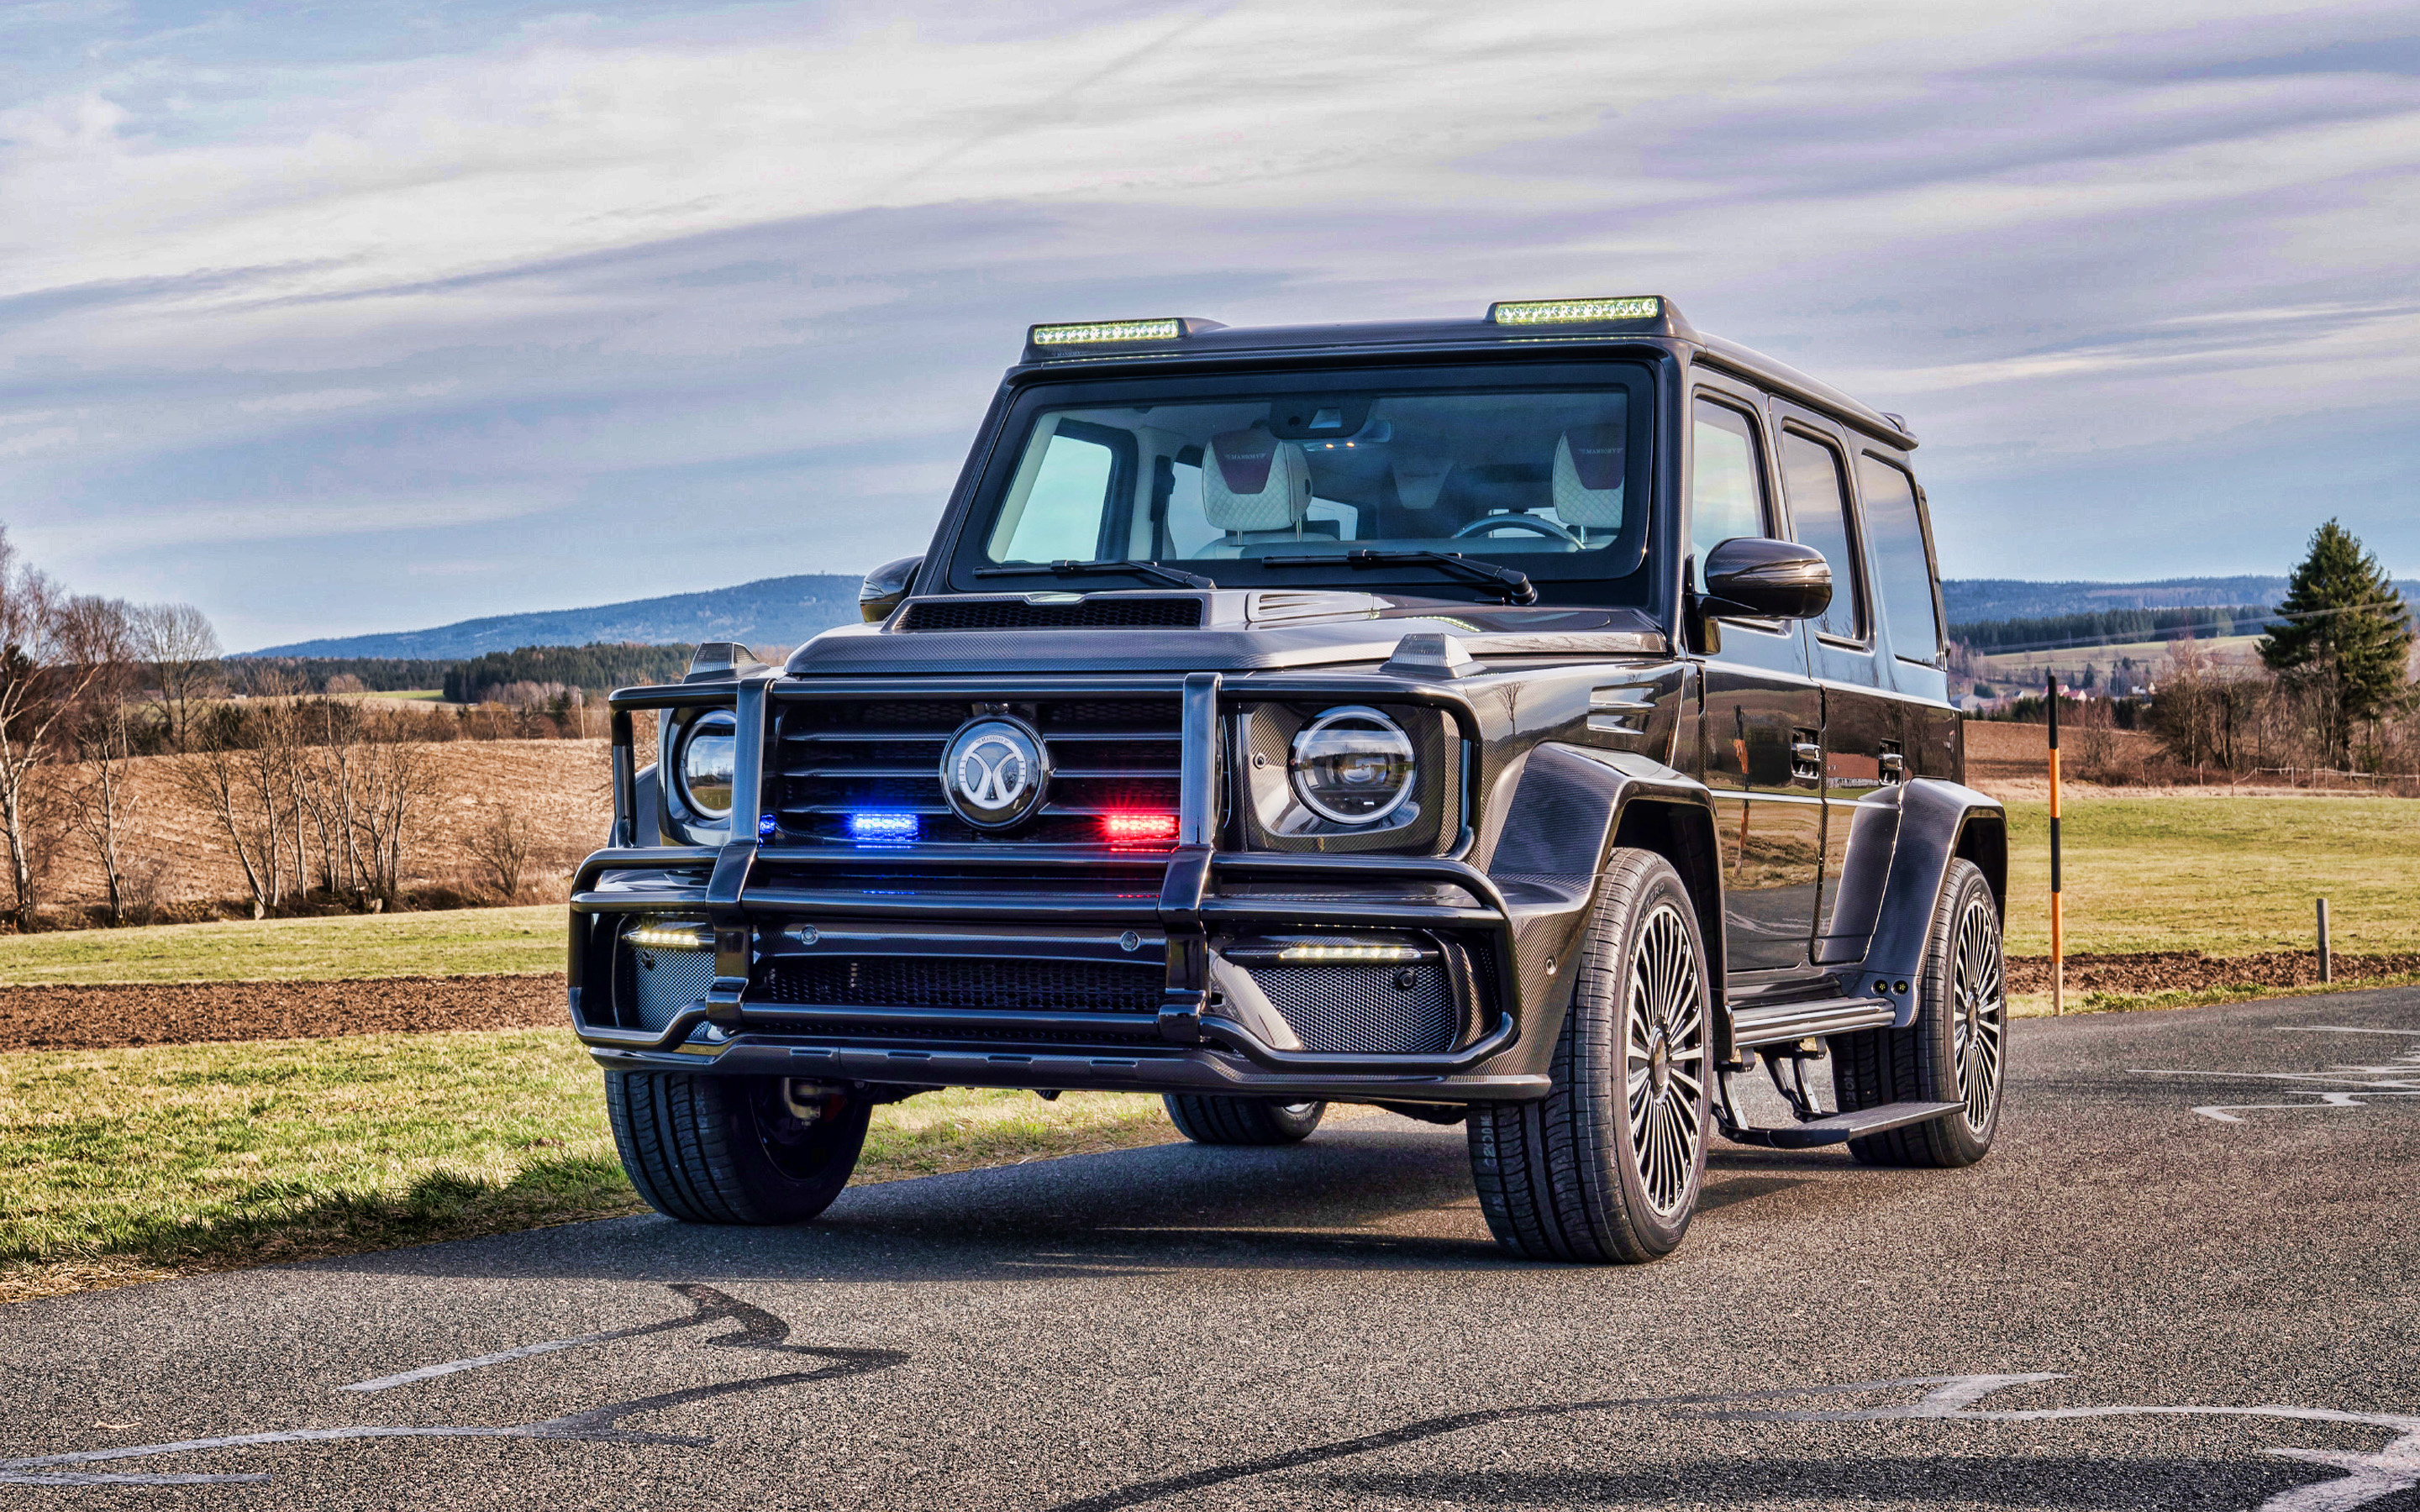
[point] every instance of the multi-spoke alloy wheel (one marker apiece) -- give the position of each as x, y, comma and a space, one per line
1981, 1018
1957, 1049
1607, 1165
1665, 1082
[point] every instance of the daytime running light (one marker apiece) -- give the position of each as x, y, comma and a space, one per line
658, 934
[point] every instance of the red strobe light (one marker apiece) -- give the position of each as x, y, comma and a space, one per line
1133, 828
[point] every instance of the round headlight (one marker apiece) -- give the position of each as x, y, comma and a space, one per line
709, 747
1353, 765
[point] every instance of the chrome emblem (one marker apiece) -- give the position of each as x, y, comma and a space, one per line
994, 771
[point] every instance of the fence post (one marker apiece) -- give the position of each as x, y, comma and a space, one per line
2327, 957
2057, 900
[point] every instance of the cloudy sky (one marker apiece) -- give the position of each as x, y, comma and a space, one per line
338, 317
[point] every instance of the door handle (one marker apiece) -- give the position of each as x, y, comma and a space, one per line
1805, 758
1893, 766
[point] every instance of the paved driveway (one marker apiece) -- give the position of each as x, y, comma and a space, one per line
2186, 1279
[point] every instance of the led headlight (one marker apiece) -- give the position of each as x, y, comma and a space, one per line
1353, 765
708, 749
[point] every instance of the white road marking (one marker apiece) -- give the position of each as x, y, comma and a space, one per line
2367, 1477
430, 1372
2399, 1078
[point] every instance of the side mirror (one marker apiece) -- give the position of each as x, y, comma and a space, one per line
885, 586
1762, 578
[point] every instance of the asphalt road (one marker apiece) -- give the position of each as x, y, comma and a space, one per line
2132, 1304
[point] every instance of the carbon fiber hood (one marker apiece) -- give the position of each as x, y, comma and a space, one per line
1240, 632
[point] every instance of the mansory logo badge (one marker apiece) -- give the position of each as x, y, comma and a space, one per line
994, 771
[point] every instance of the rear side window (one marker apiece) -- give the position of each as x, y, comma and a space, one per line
1903, 566
1726, 481
1813, 482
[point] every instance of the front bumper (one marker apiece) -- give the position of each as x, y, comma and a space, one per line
775, 911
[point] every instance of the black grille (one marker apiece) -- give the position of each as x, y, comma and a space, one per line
1017, 614
1360, 1010
947, 982
828, 1028
839, 757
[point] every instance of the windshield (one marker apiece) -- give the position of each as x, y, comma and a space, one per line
1260, 487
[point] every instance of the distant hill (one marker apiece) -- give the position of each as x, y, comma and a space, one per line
1966, 600
771, 612
786, 611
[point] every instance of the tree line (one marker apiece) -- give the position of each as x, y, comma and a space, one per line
591, 670
2109, 627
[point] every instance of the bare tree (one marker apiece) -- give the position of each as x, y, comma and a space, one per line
502, 847
105, 743
212, 778
177, 643
395, 782
53, 648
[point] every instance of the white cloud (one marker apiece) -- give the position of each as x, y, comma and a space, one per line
704, 274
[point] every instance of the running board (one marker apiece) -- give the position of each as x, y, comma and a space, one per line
1809, 1020
1839, 1128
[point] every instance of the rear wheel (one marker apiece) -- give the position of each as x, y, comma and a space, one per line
735, 1150
1955, 1050
1607, 1165
1242, 1121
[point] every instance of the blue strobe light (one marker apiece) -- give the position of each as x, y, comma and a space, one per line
883, 829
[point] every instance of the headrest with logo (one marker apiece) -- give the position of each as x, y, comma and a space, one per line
1587, 477
1251, 481
1418, 480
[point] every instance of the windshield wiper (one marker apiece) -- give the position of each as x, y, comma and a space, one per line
1514, 583
1067, 567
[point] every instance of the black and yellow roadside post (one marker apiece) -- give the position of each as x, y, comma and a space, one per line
2058, 916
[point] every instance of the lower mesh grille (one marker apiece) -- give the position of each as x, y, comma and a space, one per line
823, 1028
1360, 1010
1004, 986
652, 986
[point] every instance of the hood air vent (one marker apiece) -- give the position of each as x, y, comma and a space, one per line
1096, 612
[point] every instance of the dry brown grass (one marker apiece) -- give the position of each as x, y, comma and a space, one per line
561, 788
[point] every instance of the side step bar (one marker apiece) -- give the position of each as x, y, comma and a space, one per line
1809, 1020
1839, 1128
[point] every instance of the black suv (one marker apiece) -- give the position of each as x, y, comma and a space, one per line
1533, 721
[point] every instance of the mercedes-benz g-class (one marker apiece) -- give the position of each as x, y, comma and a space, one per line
1536, 721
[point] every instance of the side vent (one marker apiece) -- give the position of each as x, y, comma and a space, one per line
1094, 613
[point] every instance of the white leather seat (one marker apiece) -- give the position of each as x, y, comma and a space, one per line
1255, 488
1588, 465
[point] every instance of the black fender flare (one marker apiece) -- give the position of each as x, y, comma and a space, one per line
1900, 845
1571, 806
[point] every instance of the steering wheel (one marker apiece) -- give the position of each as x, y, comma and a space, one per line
1527, 522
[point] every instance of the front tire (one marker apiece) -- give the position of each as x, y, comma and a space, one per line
1242, 1121
734, 1150
1955, 1051
1608, 1167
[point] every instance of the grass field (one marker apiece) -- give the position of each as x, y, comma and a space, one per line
2003, 667
2202, 872
127, 1165
456, 941
2222, 875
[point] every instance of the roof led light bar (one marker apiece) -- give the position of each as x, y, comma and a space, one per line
1567, 311
1087, 332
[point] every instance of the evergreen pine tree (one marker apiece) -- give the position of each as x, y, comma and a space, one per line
2355, 633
